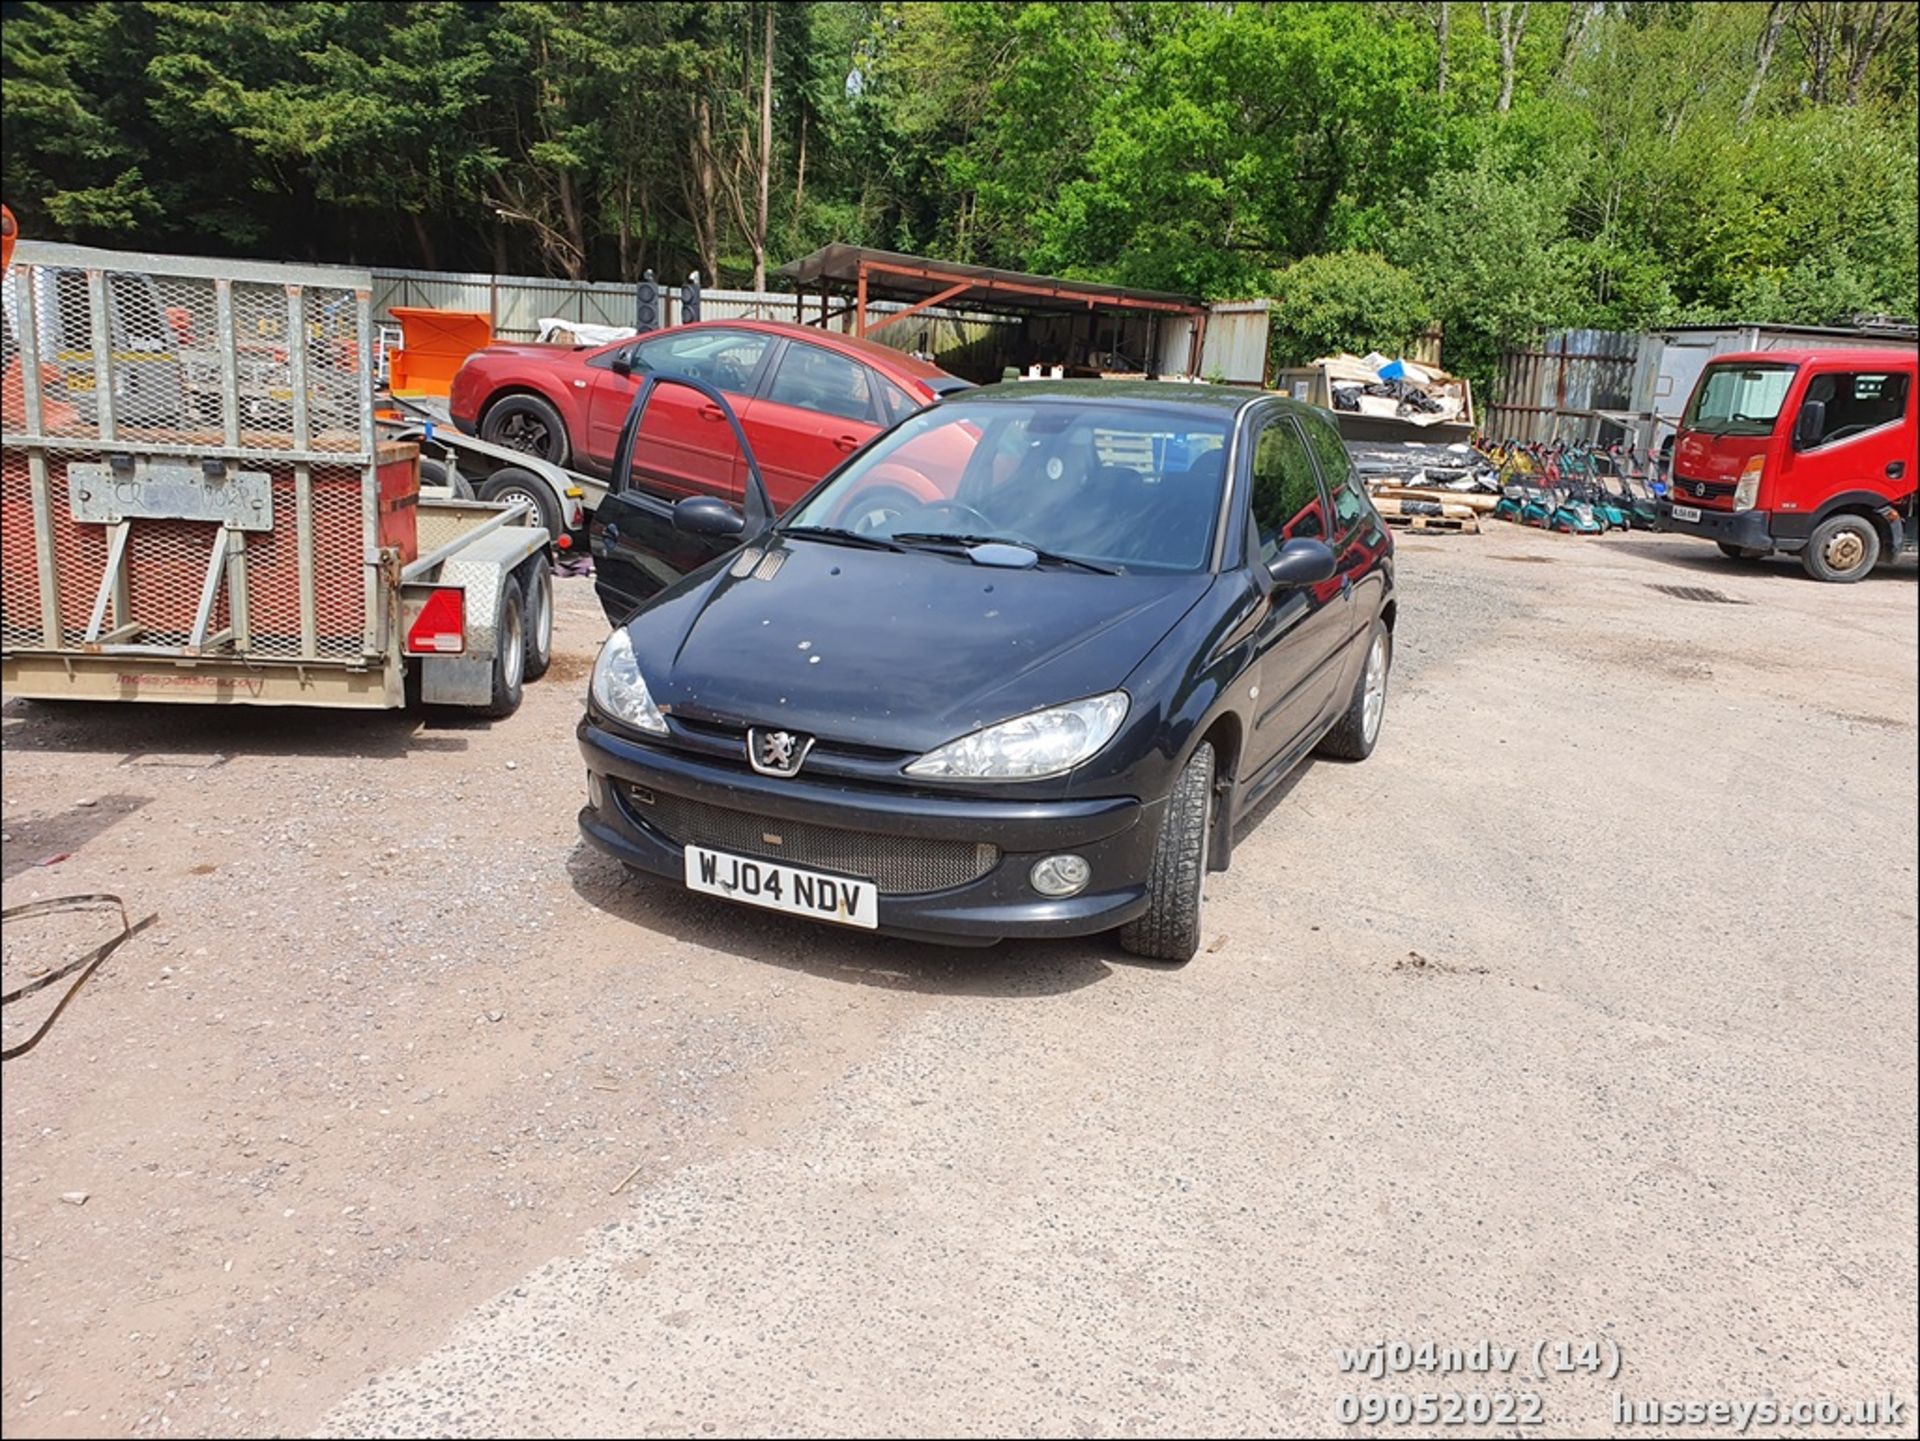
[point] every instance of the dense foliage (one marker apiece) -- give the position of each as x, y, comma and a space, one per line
1500, 165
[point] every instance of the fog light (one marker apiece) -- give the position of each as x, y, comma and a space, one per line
596, 791
1060, 875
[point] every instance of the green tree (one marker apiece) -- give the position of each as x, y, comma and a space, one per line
1532, 165
1489, 244
1346, 300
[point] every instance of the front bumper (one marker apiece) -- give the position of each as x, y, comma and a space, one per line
1116, 836
1749, 528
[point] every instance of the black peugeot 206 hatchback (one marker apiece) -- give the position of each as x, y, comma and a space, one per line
1015, 669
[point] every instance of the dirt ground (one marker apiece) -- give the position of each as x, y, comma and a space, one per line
1584, 1011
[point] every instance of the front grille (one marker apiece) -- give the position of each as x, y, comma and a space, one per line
734, 737
1703, 492
897, 865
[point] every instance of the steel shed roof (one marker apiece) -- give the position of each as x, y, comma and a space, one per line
892, 276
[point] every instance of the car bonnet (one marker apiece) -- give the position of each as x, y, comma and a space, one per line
902, 651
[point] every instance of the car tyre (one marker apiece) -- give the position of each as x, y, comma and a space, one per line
1842, 549
1170, 929
513, 482
1354, 735
439, 473
529, 423
509, 651
536, 583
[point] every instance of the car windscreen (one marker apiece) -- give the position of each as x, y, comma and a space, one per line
1128, 485
1738, 399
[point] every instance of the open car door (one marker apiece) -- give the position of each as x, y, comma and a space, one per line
638, 550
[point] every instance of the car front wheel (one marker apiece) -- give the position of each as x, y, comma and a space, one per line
529, 423
1170, 929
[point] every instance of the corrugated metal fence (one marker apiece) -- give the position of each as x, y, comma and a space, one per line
1558, 390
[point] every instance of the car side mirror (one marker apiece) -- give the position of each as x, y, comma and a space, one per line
1303, 561
1809, 424
707, 515
622, 362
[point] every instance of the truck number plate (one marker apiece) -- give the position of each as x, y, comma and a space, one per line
101, 495
1685, 512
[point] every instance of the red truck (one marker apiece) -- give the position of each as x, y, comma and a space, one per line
1802, 452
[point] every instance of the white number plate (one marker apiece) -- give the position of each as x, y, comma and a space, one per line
1685, 512
778, 887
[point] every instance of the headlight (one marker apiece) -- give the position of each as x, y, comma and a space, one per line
1747, 493
1042, 743
620, 690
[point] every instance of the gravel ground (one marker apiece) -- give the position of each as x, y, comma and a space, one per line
1584, 1010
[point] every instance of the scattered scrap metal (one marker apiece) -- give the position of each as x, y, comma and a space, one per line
1418, 486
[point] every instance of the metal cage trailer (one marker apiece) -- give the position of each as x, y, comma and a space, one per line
195, 504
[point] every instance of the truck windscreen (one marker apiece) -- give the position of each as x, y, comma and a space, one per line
1738, 399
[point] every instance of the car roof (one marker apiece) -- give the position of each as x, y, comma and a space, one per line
1224, 399
882, 357
1883, 357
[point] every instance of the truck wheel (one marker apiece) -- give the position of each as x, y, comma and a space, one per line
1353, 736
1842, 548
1170, 930
529, 423
509, 651
536, 581
1740, 552
513, 482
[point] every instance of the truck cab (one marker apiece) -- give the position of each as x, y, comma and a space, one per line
1800, 452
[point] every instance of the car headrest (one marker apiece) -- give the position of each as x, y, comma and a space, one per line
1205, 469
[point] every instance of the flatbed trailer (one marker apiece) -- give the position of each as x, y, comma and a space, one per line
196, 504
563, 500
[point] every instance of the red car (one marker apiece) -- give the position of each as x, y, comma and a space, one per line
806, 398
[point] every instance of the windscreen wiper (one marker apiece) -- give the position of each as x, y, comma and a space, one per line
963, 542
839, 535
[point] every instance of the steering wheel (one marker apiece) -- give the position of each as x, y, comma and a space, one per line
1843, 432
961, 509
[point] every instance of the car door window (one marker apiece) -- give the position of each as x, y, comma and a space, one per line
1350, 503
811, 378
898, 404
1287, 501
726, 359
1856, 402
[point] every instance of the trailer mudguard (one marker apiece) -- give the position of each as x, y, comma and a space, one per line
479, 569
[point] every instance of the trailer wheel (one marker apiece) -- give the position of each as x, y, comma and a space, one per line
509, 651
513, 482
537, 582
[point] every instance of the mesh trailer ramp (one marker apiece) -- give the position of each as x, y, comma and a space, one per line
195, 504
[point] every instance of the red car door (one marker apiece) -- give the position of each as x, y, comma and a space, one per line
816, 409
685, 446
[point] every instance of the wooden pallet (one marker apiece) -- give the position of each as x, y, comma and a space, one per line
1470, 499
1454, 524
